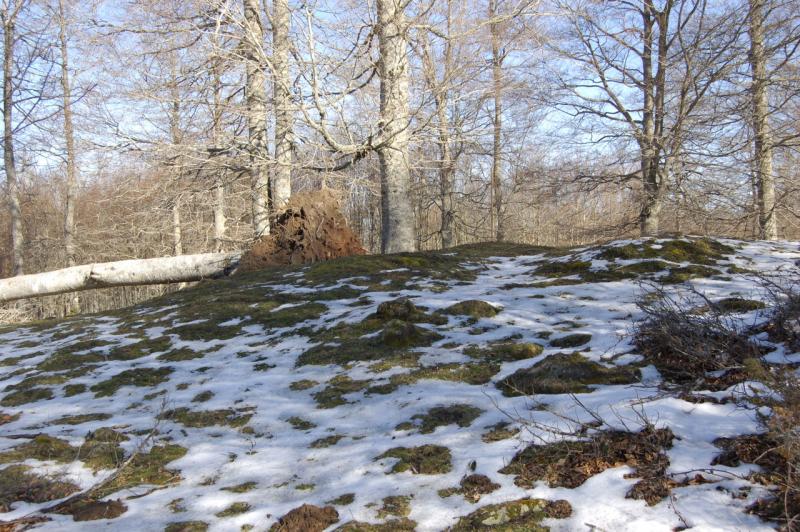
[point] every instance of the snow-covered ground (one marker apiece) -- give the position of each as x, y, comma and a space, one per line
275, 456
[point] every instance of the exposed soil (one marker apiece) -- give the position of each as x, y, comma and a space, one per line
311, 229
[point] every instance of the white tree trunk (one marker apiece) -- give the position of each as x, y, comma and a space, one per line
12, 185
256, 115
161, 270
397, 231
764, 180
69, 139
282, 177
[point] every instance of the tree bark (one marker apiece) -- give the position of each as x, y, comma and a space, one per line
162, 270
177, 237
397, 214
496, 200
69, 139
219, 179
762, 144
255, 96
12, 184
282, 177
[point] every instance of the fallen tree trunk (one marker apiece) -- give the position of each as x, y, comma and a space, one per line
162, 270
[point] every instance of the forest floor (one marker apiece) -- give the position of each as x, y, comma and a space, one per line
491, 387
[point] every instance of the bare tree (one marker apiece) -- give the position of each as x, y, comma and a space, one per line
281, 89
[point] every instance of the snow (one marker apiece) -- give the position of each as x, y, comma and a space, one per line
278, 458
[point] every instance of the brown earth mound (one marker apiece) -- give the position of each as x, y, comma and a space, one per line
311, 229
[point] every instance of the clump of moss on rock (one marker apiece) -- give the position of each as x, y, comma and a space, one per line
422, 460
141, 377
456, 414
307, 518
563, 373
521, 515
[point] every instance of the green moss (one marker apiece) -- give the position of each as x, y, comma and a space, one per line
142, 377
43, 379
234, 509
505, 352
303, 384
473, 308
181, 355
22, 397
74, 389
646, 266
395, 506
202, 397
244, 487
470, 373
685, 273
102, 450
207, 331
405, 359
147, 468
737, 305
335, 390
307, 486
403, 309
697, 251
472, 487
41, 447
343, 500
571, 340
208, 418
67, 360
563, 373
521, 515
78, 419
327, 441
563, 269
499, 431
19, 484
299, 423
422, 460
456, 414
187, 526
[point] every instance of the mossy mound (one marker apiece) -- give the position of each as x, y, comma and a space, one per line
234, 509
499, 432
521, 515
327, 441
563, 268
569, 464
379, 336
244, 487
472, 487
23, 397
697, 251
731, 305
147, 468
563, 373
474, 373
571, 340
473, 308
422, 460
307, 518
505, 352
686, 273
395, 506
335, 390
299, 423
79, 419
19, 484
141, 377
41, 447
208, 418
440, 416
187, 526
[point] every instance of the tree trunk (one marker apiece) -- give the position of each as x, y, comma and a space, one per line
162, 270
177, 238
69, 138
651, 203
764, 180
256, 104
282, 177
219, 180
12, 185
496, 202
397, 216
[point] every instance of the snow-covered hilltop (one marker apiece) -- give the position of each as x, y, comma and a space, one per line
492, 387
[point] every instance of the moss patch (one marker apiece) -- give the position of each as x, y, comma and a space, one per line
327, 441
78, 419
42, 447
187, 526
395, 506
473, 308
74, 389
234, 509
142, 377
307, 518
563, 269
339, 386
563, 373
422, 460
303, 384
737, 304
147, 468
505, 352
472, 487
299, 423
456, 414
521, 515
571, 340
393, 525
685, 273
343, 500
202, 397
569, 464
208, 418
19, 484
499, 431
244, 487
23, 397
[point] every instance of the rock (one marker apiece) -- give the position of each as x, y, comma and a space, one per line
571, 340
473, 308
513, 516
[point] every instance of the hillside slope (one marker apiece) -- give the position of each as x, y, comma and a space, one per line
236, 402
